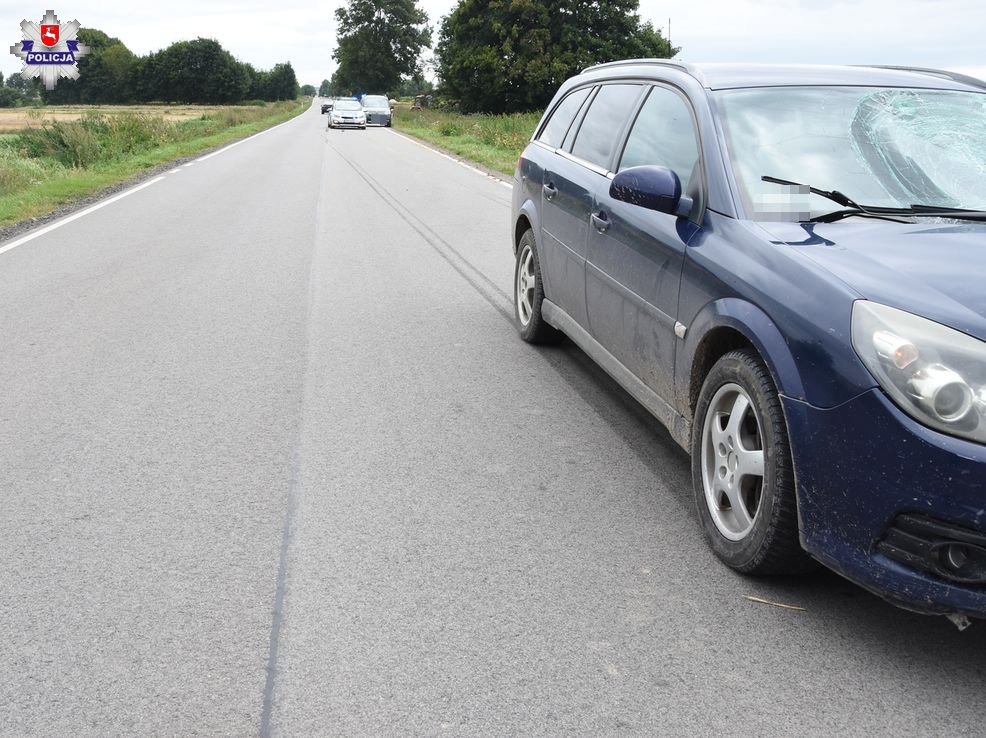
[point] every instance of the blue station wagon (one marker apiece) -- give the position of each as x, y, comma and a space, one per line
787, 267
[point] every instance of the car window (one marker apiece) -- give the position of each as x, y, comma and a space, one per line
375, 101
883, 147
574, 128
664, 135
557, 125
602, 124
348, 105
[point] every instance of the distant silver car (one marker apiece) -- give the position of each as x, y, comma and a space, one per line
378, 111
347, 114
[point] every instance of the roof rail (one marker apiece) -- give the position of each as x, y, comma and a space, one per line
954, 76
626, 62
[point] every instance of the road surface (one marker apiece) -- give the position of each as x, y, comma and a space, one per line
274, 461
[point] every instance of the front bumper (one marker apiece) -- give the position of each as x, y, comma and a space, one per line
347, 124
865, 473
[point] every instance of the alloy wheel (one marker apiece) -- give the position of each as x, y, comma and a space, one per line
526, 284
732, 461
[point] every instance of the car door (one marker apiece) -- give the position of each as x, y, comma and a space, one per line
565, 205
569, 181
634, 255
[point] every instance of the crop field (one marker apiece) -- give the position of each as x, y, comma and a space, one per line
54, 156
15, 119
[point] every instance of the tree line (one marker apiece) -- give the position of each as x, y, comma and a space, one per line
199, 71
492, 56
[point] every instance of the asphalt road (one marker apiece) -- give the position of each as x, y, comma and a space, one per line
273, 460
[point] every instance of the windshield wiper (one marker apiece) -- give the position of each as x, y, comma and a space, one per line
840, 198
851, 207
943, 212
833, 195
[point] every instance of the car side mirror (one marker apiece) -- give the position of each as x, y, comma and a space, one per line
651, 187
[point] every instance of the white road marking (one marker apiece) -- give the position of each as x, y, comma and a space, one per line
457, 161
248, 138
76, 216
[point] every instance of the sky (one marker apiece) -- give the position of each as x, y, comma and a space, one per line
929, 33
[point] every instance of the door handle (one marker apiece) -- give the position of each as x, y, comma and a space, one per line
600, 221
549, 190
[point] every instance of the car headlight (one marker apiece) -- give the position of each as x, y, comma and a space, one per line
935, 374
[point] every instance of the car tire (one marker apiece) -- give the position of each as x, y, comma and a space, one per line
529, 294
742, 471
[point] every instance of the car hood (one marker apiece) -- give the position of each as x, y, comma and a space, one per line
377, 110
933, 268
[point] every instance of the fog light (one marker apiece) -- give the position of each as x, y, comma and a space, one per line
956, 556
942, 392
962, 561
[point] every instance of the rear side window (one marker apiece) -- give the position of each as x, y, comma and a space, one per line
554, 130
602, 124
664, 135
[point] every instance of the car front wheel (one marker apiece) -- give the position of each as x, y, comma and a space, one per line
529, 294
742, 471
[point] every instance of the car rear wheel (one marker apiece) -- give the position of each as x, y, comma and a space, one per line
742, 471
529, 295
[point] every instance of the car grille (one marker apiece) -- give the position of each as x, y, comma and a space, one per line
949, 551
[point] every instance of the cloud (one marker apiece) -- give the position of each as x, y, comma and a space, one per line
942, 33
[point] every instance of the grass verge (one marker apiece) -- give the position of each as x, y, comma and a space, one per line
57, 163
495, 141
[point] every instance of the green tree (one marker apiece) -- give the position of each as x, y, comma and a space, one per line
323, 89
414, 86
379, 42
28, 91
501, 56
104, 73
282, 84
309, 90
199, 71
9, 97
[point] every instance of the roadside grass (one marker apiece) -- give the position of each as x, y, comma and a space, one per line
13, 120
57, 162
495, 141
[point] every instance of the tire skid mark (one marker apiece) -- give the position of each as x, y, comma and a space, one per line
486, 287
294, 485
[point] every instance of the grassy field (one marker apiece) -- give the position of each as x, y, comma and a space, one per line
16, 119
63, 154
494, 141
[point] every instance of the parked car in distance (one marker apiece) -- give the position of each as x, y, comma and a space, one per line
326, 107
347, 113
785, 266
378, 110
